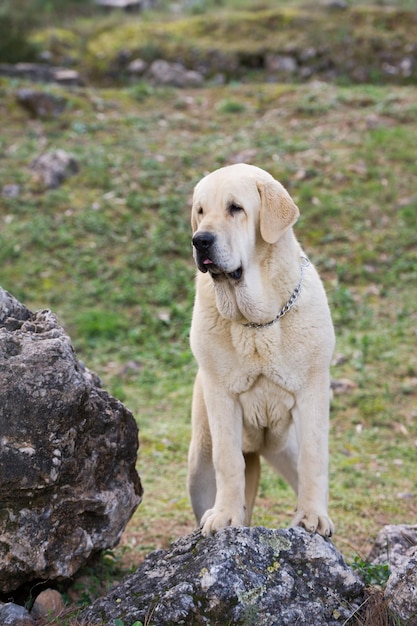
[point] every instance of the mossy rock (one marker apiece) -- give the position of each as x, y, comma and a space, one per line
235, 42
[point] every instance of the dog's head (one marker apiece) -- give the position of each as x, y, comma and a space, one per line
233, 208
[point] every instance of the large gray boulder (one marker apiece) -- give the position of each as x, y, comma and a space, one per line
68, 483
239, 576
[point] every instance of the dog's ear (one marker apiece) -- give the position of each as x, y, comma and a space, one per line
278, 210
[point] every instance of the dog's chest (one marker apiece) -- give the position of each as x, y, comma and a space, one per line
266, 406
263, 355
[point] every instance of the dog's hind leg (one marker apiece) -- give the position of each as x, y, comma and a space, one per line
201, 474
252, 474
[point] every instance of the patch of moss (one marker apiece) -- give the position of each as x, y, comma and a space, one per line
61, 43
277, 543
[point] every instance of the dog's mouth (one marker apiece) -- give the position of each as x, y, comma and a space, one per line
216, 272
236, 274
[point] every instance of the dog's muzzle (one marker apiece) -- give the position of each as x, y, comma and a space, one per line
204, 243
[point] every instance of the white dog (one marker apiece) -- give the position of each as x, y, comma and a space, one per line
263, 338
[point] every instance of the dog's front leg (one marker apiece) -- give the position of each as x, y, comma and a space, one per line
225, 422
311, 419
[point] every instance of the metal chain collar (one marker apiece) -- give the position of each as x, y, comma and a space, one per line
305, 262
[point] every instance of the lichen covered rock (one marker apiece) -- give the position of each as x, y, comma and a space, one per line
239, 576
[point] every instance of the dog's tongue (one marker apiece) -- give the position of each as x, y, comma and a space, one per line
207, 262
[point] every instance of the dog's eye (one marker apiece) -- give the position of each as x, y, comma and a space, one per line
200, 211
234, 208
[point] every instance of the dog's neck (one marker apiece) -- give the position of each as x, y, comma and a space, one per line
305, 262
268, 288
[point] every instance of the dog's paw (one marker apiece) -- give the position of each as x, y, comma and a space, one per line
214, 520
314, 522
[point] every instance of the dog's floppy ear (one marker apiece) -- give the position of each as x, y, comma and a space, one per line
278, 210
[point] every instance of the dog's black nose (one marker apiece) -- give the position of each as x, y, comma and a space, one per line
203, 241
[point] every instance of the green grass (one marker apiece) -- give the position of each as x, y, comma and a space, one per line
109, 252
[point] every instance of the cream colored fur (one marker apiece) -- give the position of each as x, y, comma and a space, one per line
258, 391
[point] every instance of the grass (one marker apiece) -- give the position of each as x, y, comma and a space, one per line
109, 252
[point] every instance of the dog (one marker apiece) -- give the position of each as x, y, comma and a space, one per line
263, 339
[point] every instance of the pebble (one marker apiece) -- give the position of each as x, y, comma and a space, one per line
49, 602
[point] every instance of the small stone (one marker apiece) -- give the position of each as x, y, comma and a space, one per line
48, 603
52, 168
137, 67
10, 191
342, 386
281, 63
40, 103
338, 5
174, 74
120, 4
66, 76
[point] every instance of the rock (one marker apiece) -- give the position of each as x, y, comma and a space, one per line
342, 386
52, 168
65, 76
125, 5
32, 71
40, 103
68, 483
137, 67
238, 576
174, 74
407, 66
281, 63
395, 545
41, 72
401, 592
15, 615
48, 603
10, 191
338, 5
